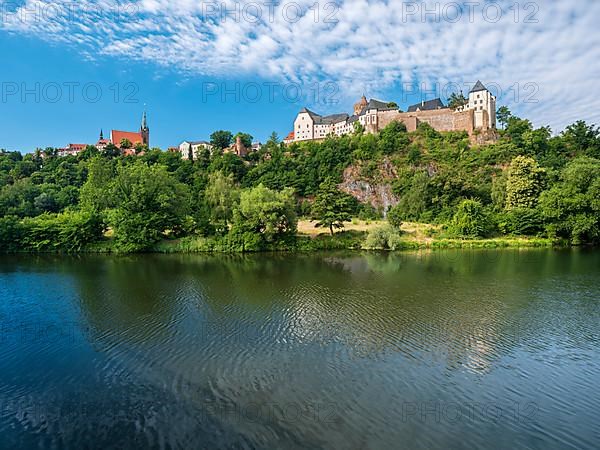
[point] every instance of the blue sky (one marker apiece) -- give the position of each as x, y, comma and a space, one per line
186, 60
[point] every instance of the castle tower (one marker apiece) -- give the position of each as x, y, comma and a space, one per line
483, 103
358, 107
145, 131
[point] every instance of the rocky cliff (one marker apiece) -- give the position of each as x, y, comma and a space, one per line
376, 191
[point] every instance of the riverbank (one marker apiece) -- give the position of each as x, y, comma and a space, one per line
414, 236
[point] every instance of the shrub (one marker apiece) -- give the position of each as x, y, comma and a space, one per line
470, 220
383, 238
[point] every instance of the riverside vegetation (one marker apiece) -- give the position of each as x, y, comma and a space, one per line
528, 188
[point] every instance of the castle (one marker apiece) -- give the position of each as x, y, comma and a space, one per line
478, 114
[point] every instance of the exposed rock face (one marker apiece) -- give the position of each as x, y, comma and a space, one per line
485, 137
377, 193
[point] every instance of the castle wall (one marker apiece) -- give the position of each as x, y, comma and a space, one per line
439, 119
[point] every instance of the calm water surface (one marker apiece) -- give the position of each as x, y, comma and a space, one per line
448, 350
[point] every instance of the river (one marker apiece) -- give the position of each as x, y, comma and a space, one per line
430, 350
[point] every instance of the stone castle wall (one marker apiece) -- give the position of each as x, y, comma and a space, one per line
439, 119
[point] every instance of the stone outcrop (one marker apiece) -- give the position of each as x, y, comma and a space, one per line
378, 193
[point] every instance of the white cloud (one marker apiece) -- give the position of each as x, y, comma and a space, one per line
551, 49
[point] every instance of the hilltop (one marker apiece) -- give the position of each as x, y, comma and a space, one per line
528, 183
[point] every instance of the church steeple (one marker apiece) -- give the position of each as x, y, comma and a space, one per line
144, 130
101, 134
144, 122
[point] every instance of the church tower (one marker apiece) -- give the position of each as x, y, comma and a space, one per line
145, 131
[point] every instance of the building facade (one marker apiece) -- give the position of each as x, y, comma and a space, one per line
373, 115
193, 149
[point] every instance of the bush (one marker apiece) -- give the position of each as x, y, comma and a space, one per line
383, 238
65, 232
470, 220
11, 233
394, 217
521, 222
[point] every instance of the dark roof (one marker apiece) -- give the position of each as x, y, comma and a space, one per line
352, 119
429, 105
478, 87
334, 118
378, 105
323, 120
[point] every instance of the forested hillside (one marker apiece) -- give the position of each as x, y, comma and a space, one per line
528, 183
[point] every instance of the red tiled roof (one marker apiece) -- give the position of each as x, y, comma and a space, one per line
76, 146
289, 137
117, 136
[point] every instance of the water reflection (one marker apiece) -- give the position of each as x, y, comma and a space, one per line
434, 349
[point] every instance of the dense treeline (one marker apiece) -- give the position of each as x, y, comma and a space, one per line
527, 183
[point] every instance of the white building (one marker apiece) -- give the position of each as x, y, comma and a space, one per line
484, 105
195, 146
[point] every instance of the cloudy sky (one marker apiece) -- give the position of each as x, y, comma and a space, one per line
71, 68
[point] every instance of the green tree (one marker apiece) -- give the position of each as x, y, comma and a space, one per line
515, 128
582, 139
470, 220
221, 139
264, 217
571, 208
126, 143
525, 182
149, 202
96, 194
457, 100
332, 207
221, 195
503, 115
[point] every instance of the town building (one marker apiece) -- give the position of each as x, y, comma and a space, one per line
193, 148
116, 138
373, 115
71, 150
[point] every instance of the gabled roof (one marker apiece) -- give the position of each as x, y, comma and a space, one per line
117, 136
324, 120
378, 105
478, 87
429, 105
334, 118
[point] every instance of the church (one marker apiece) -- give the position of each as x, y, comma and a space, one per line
117, 138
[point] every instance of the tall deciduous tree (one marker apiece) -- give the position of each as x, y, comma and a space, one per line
332, 207
525, 182
503, 115
265, 216
149, 202
221, 196
221, 139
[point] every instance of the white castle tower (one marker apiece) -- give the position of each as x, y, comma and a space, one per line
483, 103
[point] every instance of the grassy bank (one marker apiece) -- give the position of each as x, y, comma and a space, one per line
414, 237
